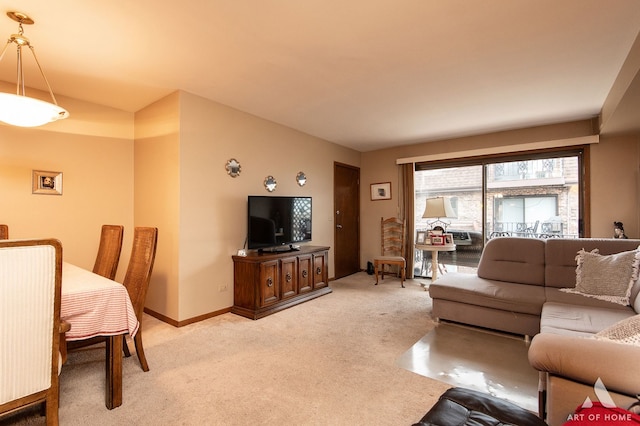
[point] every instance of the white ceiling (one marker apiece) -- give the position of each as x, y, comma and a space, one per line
366, 74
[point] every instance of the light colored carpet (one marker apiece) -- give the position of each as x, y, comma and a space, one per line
329, 361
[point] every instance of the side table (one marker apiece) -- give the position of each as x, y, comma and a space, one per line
434, 249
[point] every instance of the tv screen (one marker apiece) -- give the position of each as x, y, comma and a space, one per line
274, 222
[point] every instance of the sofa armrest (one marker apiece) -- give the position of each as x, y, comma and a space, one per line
584, 360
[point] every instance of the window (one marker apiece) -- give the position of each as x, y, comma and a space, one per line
535, 196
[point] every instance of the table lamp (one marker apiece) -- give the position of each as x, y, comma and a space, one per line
438, 207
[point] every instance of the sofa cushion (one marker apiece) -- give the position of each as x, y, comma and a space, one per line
515, 260
473, 290
579, 320
624, 331
560, 258
606, 277
558, 296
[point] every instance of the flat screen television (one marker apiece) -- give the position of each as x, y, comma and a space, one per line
278, 223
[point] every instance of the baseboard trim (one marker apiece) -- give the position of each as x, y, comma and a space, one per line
182, 323
199, 318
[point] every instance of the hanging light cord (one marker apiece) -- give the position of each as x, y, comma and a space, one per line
21, 40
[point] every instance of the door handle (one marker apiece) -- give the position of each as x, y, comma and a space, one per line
339, 226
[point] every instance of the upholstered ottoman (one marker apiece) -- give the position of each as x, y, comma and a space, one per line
459, 406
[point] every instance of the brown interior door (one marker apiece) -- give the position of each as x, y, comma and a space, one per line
346, 218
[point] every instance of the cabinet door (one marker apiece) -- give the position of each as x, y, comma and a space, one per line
269, 282
288, 277
305, 273
319, 270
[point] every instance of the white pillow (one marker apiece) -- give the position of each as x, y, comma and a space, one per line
607, 278
624, 331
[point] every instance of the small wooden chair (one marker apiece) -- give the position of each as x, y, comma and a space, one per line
137, 279
109, 250
30, 295
392, 232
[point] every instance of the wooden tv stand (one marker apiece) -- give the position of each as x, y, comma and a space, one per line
265, 283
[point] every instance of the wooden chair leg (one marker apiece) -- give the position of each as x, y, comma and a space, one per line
140, 351
375, 270
125, 346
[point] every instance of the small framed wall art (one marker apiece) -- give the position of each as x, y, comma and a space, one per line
381, 191
49, 183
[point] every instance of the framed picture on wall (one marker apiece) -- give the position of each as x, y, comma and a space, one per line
49, 183
381, 191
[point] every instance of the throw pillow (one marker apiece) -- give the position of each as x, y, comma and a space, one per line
607, 278
624, 331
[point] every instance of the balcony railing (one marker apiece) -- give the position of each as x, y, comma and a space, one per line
530, 169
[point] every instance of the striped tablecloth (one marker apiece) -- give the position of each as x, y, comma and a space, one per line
94, 305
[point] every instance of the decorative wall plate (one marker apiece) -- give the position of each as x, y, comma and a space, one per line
301, 178
270, 183
233, 167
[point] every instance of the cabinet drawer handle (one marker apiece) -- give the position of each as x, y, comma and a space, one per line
269, 282
288, 277
318, 270
304, 273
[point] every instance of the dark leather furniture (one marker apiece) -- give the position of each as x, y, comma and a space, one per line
460, 406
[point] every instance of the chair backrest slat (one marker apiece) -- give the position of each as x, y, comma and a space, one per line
143, 253
109, 251
392, 236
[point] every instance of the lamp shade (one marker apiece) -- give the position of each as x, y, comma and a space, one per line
438, 207
23, 111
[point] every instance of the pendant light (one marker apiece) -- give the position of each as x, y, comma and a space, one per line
18, 109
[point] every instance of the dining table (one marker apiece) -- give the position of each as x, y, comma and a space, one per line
96, 306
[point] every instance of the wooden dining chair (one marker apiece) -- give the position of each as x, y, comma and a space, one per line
106, 264
4, 232
392, 248
30, 324
136, 280
108, 256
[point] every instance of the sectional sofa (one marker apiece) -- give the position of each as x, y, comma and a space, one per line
534, 287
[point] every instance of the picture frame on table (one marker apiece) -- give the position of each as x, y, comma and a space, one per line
380, 191
448, 239
437, 240
48, 183
421, 237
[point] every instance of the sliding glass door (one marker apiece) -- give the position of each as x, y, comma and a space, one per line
534, 197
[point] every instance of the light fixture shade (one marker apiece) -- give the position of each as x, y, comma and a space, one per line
438, 207
23, 111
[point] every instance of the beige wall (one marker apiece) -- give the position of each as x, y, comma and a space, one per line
194, 275
93, 149
614, 174
157, 196
614, 185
